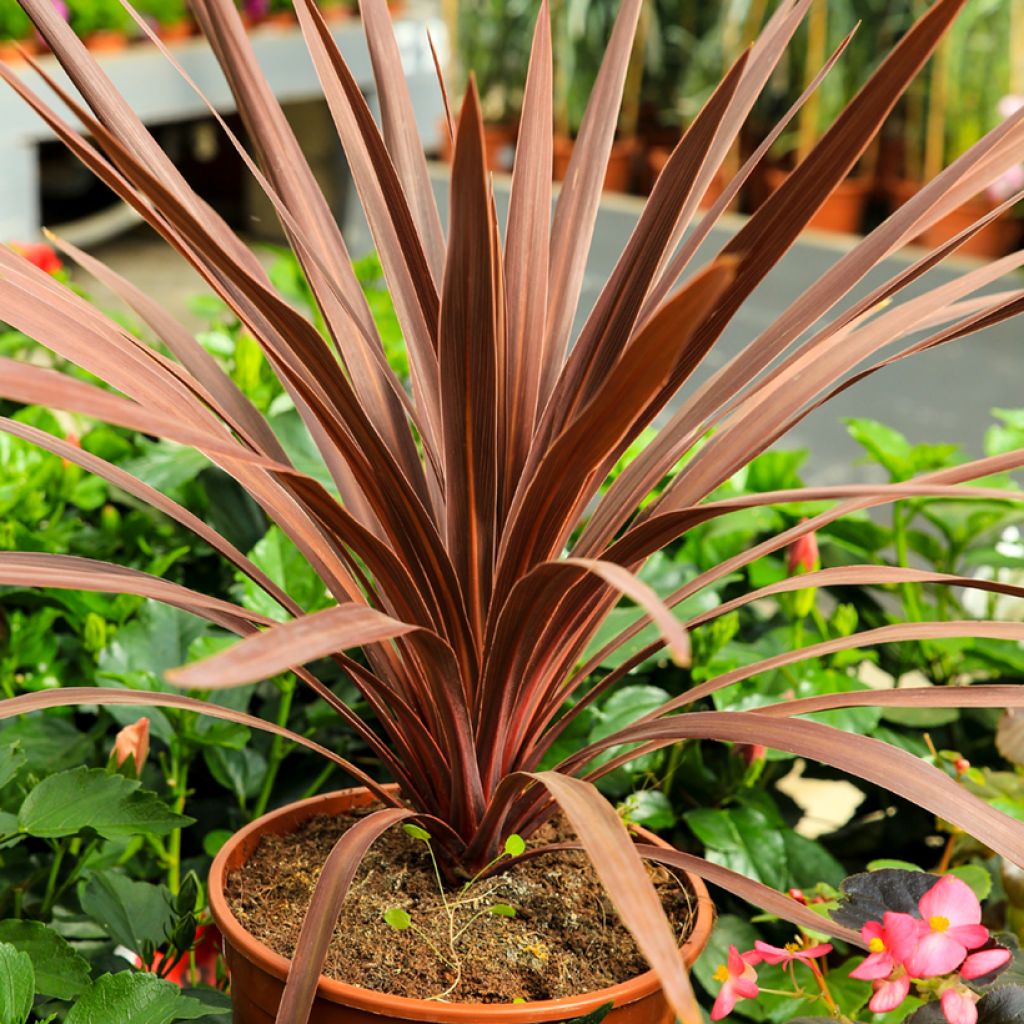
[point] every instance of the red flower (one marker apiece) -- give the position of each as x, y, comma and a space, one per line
206, 951
739, 981
802, 555
40, 255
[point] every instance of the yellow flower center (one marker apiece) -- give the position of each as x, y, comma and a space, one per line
876, 945
721, 973
938, 924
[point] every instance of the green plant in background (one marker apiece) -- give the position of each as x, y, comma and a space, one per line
87, 17
14, 22
164, 12
487, 617
492, 39
957, 102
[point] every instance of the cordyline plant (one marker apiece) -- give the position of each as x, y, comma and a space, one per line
471, 546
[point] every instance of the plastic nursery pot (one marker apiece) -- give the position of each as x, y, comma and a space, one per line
621, 162
842, 212
994, 240
657, 157
176, 31
13, 51
499, 145
106, 41
258, 974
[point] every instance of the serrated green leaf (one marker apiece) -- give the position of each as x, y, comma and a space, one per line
92, 798
130, 998
17, 985
60, 972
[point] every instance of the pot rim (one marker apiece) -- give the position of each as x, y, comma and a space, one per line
404, 1007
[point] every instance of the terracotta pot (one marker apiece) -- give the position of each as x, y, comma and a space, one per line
177, 31
842, 212
11, 50
334, 13
106, 41
657, 157
258, 974
618, 177
280, 19
499, 145
994, 240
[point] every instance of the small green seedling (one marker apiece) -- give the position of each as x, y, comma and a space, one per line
397, 918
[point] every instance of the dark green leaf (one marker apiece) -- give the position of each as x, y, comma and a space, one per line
59, 971
92, 798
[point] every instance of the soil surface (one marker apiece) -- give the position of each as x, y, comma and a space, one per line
565, 938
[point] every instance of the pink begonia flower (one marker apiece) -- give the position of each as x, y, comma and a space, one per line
983, 962
950, 926
889, 993
1012, 180
1009, 105
958, 1006
778, 955
889, 945
739, 981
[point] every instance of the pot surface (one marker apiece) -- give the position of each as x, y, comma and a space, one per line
258, 973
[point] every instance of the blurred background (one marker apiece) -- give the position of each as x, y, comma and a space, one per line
682, 50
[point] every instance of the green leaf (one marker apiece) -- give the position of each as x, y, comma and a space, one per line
282, 561
12, 760
60, 972
416, 832
17, 985
503, 910
650, 808
136, 914
976, 877
92, 798
515, 845
397, 918
130, 998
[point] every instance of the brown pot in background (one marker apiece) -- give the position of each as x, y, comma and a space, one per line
657, 157
177, 31
258, 974
618, 177
334, 13
11, 50
843, 211
499, 145
106, 41
280, 19
995, 239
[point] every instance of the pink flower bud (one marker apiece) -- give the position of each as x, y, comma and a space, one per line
751, 753
798, 895
961, 766
132, 741
802, 555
